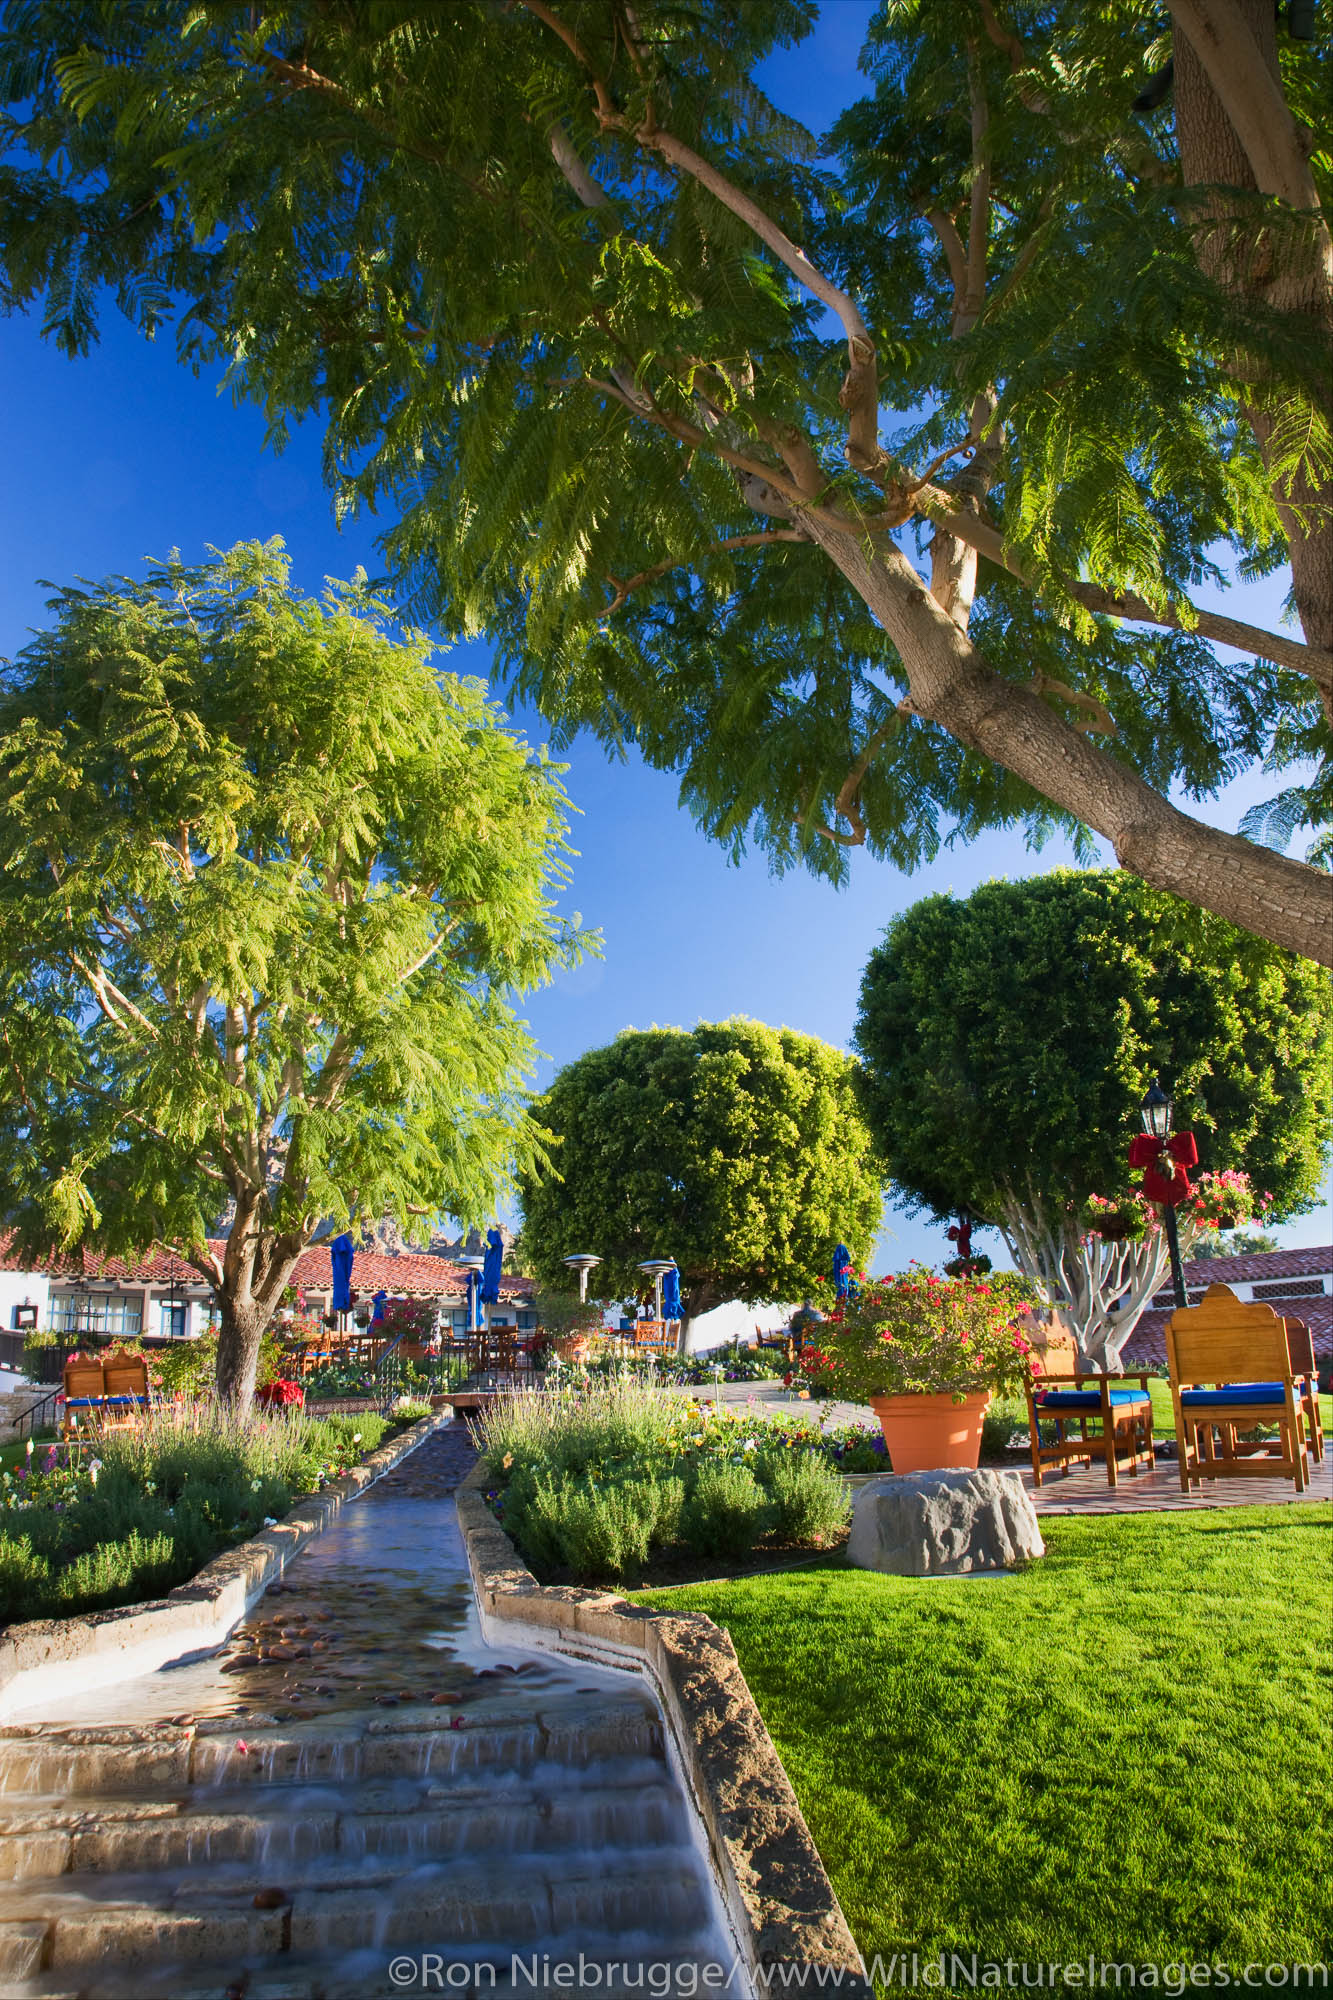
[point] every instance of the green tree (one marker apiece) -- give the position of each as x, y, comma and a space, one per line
268, 884
1233, 1243
735, 1148
1007, 1040
679, 413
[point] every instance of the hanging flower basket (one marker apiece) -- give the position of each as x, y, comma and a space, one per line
1115, 1221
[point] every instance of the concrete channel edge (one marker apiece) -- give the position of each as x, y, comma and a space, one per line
778, 1898
51, 1656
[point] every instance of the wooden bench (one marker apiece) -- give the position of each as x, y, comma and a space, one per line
106, 1393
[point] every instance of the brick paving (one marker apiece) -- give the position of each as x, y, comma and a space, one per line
1084, 1490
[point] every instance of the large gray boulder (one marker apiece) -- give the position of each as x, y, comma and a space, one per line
943, 1524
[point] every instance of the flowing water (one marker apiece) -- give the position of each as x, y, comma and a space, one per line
356, 1795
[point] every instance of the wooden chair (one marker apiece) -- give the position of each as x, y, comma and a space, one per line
652, 1336
1065, 1394
1300, 1346
105, 1394
85, 1391
1231, 1371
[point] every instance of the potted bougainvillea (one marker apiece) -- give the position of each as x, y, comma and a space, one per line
928, 1354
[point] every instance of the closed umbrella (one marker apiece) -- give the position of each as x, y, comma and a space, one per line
378, 1313
490, 1270
842, 1264
671, 1294
341, 1253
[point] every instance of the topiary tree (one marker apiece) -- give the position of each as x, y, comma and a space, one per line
735, 1148
268, 885
1008, 1038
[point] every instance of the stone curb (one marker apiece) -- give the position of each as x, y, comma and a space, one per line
49, 1656
778, 1898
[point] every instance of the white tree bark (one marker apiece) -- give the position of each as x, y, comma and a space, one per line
1101, 1289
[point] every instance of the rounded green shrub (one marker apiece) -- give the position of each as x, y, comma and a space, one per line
809, 1501
727, 1513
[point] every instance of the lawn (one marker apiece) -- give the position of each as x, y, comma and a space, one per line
1123, 1749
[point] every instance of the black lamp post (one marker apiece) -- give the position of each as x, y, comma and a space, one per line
1156, 1112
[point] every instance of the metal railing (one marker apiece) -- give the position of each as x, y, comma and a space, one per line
444, 1371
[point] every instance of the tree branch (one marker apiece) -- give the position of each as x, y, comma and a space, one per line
1315, 662
623, 591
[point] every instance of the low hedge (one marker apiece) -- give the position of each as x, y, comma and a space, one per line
591, 1482
143, 1510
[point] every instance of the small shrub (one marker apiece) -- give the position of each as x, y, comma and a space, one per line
118, 1573
809, 1501
410, 1409
24, 1578
1005, 1416
727, 1512
594, 1528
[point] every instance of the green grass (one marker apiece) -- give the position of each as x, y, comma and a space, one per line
14, 1455
1123, 1749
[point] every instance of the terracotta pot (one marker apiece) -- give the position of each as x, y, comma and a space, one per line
928, 1433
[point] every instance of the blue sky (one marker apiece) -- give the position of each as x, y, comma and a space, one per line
127, 454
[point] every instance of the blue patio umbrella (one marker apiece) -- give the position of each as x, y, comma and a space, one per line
378, 1313
842, 1264
490, 1270
473, 1288
341, 1253
671, 1294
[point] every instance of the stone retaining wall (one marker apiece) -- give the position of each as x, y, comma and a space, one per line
779, 1899
50, 1656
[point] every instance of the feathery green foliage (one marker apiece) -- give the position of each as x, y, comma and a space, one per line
535, 270
269, 884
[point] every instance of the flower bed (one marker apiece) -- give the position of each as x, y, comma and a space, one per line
591, 1481
126, 1520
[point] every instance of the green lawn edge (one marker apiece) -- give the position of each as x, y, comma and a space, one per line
1122, 1750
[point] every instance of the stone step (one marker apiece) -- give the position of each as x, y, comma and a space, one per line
610, 1968
530, 1900
417, 1742
292, 1828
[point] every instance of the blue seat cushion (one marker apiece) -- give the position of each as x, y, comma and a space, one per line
1087, 1399
81, 1402
1235, 1392
124, 1399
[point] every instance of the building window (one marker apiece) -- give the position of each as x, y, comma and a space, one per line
102, 1313
211, 1316
526, 1322
171, 1319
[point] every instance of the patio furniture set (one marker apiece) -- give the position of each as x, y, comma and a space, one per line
1244, 1393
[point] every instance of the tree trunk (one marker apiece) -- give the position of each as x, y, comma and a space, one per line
239, 1334
1234, 131
256, 1268
953, 685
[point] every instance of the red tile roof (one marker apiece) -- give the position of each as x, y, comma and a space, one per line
411, 1276
1261, 1266
154, 1267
